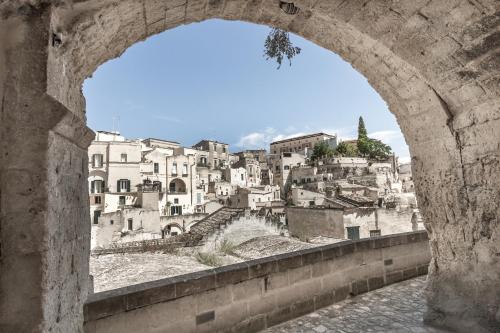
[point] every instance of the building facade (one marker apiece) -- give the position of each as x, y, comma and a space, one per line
302, 144
218, 153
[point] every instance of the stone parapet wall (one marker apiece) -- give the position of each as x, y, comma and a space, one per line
250, 296
151, 244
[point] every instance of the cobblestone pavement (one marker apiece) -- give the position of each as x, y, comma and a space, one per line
397, 308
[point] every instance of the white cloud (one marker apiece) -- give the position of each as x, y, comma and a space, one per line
253, 140
386, 136
287, 136
263, 138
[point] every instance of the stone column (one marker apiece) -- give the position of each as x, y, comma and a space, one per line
45, 230
458, 187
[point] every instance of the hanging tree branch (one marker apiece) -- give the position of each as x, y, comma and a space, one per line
278, 45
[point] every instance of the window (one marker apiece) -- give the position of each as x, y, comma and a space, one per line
97, 200
223, 149
242, 177
176, 210
130, 224
156, 167
184, 169
174, 169
123, 185
286, 167
353, 233
123, 158
97, 186
97, 214
375, 233
121, 200
111, 222
97, 160
312, 203
176, 201
198, 198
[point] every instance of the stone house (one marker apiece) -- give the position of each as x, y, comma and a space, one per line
236, 175
257, 154
253, 170
255, 197
218, 152
160, 143
266, 174
343, 167
222, 188
281, 165
182, 195
114, 167
124, 223
153, 167
301, 197
303, 144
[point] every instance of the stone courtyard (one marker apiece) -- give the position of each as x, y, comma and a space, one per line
397, 308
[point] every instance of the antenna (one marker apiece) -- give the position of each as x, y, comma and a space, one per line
116, 121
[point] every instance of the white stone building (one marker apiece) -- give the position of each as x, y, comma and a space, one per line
303, 144
114, 167
218, 153
236, 176
282, 165
255, 197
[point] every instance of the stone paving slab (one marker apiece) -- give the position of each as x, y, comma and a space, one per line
396, 308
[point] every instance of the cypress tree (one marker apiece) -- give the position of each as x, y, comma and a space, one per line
363, 140
362, 134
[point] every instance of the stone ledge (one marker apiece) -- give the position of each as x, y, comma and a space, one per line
108, 303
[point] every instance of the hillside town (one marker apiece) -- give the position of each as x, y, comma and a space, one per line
150, 189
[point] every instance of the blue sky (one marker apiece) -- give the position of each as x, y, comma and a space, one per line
210, 80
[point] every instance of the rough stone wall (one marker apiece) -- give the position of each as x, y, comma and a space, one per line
250, 296
44, 205
436, 64
307, 223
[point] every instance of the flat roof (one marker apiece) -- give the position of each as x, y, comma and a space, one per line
214, 141
168, 141
302, 137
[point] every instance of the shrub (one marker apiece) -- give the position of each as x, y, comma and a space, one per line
227, 247
208, 258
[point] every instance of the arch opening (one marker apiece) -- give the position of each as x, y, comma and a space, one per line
435, 65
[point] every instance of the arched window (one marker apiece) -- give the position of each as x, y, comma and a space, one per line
177, 186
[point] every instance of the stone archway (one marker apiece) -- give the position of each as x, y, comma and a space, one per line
434, 62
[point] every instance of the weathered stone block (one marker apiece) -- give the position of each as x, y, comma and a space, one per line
393, 277
261, 267
375, 282
359, 287
228, 275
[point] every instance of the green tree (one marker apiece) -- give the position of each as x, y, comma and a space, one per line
363, 140
376, 149
322, 149
347, 149
278, 45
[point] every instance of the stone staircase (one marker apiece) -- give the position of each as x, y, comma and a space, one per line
215, 221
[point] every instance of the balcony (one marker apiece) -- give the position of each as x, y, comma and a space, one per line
177, 192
